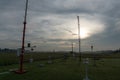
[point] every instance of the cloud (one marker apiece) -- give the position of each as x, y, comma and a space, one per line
47, 20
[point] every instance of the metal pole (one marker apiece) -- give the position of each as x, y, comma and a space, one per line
79, 39
91, 48
72, 47
72, 43
94, 64
20, 71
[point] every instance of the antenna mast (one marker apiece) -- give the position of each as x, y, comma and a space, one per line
79, 39
21, 71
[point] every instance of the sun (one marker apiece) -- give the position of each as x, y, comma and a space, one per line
84, 33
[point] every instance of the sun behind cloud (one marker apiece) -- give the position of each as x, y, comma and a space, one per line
89, 28
84, 33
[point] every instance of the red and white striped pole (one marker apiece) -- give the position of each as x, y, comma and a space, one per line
21, 70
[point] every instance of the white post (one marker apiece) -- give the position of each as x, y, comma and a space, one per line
18, 52
31, 58
86, 69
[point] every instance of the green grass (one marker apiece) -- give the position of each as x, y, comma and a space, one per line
12, 58
106, 69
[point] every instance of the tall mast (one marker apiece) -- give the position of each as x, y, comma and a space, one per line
79, 39
21, 71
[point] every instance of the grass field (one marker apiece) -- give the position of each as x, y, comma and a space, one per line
12, 58
105, 69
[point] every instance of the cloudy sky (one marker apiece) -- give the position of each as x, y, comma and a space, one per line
52, 23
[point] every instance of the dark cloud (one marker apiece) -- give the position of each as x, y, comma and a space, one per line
47, 20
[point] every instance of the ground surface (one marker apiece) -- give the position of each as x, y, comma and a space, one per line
105, 69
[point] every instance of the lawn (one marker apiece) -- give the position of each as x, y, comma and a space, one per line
105, 69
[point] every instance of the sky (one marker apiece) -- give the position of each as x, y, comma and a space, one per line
53, 25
